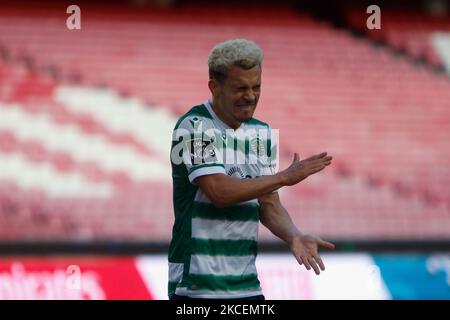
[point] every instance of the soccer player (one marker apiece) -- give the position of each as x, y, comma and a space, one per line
224, 183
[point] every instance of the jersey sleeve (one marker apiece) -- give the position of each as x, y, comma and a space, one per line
200, 152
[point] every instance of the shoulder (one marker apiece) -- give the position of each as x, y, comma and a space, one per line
196, 115
258, 123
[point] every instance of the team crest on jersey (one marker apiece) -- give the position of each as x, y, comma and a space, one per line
236, 172
257, 146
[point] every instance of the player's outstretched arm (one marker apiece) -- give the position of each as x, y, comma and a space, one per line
224, 191
305, 247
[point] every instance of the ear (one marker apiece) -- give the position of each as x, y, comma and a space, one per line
213, 87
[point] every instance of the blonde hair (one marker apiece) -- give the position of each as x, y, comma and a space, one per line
243, 53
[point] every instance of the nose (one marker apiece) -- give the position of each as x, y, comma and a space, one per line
250, 96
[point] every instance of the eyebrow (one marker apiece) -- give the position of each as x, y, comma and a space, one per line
246, 86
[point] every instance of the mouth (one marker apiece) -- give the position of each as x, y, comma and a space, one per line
246, 106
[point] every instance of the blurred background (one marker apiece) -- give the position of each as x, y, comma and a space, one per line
85, 127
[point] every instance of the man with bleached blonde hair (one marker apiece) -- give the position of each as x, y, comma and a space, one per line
225, 182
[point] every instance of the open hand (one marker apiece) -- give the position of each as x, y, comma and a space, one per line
305, 249
301, 169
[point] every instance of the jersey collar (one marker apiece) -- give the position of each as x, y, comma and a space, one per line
222, 124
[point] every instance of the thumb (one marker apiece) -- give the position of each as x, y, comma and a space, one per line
326, 244
296, 157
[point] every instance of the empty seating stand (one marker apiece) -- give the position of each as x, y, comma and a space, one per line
384, 120
406, 29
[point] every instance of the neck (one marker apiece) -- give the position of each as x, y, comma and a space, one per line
223, 116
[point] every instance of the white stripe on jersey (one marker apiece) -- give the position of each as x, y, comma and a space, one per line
222, 265
224, 230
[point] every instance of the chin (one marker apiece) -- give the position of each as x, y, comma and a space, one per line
248, 118
244, 119
244, 116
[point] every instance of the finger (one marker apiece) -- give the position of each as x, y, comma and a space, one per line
306, 263
320, 163
313, 264
296, 157
320, 155
317, 156
299, 260
319, 262
322, 160
326, 244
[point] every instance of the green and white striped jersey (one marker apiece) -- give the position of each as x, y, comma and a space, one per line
213, 250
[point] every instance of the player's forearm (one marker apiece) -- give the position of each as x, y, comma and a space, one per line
224, 191
228, 191
276, 218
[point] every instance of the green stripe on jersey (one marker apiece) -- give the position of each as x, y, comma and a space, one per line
256, 122
243, 212
199, 110
172, 287
224, 247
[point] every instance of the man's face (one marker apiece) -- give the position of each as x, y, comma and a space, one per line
238, 95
